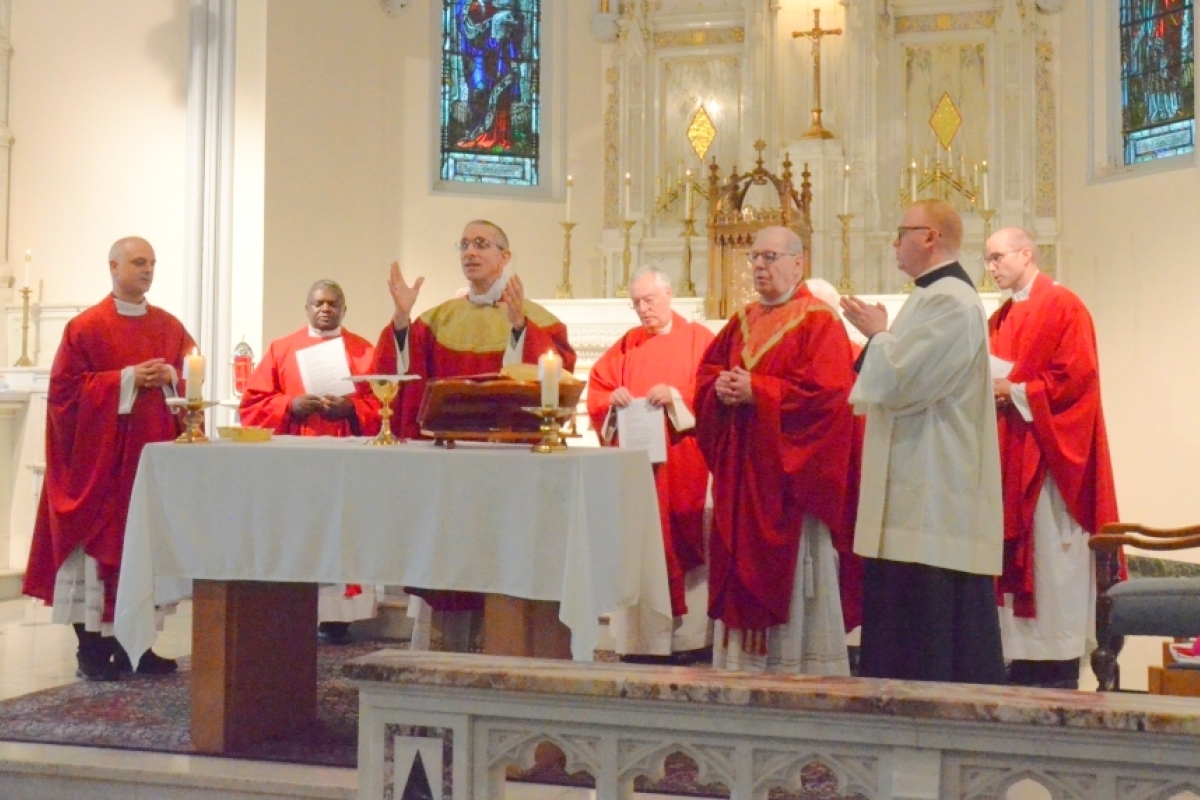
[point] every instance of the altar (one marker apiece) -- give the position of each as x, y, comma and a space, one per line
579, 527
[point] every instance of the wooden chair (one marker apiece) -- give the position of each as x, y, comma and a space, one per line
1141, 606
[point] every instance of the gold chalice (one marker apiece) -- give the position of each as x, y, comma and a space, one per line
193, 417
384, 387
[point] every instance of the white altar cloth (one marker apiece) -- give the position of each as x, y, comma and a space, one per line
579, 527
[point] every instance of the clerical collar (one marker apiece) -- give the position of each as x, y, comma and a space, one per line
492, 295
665, 329
1022, 295
316, 334
127, 309
947, 269
788, 295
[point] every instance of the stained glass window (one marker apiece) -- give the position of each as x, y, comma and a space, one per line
491, 51
1158, 78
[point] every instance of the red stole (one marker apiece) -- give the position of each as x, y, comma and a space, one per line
92, 451
1052, 343
790, 453
640, 361
276, 382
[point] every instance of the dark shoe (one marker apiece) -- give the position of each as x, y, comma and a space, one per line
335, 633
120, 660
93, 669
648, 660
154, 664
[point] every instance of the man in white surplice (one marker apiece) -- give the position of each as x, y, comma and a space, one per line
930, 524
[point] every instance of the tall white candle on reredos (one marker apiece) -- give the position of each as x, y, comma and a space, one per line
193, 376
28, 258
625, 214
550, 373
570, 182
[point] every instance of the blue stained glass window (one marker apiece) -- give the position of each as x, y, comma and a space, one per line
1158, 78
490, 108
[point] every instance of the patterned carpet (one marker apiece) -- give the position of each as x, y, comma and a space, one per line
154, 714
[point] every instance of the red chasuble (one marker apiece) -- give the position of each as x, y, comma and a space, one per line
454, 339
276, 381
460, 338
640, 361
92, 452
1052, 344
790, 453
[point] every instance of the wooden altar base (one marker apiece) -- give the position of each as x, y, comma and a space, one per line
254, 655
254, 662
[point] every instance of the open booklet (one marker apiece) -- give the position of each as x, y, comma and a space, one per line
324, 368
641, 426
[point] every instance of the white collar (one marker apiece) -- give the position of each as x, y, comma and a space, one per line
316, 334
1023, 295
492, 295
127, 309
788, 295
665, 329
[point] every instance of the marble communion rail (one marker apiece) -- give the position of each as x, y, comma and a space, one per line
466, 719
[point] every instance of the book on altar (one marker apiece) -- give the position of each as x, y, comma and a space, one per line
641, 426
324, 369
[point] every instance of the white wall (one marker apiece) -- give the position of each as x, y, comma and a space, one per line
350, 126
1129, 247
99, 106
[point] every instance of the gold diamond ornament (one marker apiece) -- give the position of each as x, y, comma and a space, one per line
945, 121
701, 132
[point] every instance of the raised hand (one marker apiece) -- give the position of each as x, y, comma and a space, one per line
513, 300
404, 297
869, 319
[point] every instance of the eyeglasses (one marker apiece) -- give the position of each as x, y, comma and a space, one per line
479, 243
768, 257
651, 301
903, 229
996, 258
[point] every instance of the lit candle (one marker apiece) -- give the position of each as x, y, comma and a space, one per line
846, 190
549, 373
912, 179
628, 207
687, 202
986, 205
570, 182
193, 375
28, 258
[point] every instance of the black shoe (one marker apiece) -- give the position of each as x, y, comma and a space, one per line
120, 660
335, 633
154, 664
92, 668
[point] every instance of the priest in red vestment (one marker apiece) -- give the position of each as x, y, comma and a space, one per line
117, 363
278, 397
1055, 465
656, 363
491, 327
778, 434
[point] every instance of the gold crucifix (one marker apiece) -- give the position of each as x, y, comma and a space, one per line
817, 131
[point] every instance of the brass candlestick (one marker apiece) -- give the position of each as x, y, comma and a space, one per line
563, 291
193, 418
553, 440
845, 285
626, 259
686, 287
25, 360
986, 284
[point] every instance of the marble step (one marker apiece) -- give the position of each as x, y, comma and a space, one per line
10, 583
36, 772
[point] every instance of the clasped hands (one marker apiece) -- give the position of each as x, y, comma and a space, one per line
659, 396
327, 405
152, 374
868, 319
404, 297
734, 388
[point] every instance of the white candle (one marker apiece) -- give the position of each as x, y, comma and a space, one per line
986, 205
846, 190
193, 375
28, 258
570, 182
912, 179
687, 202
549, 373
626, 213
